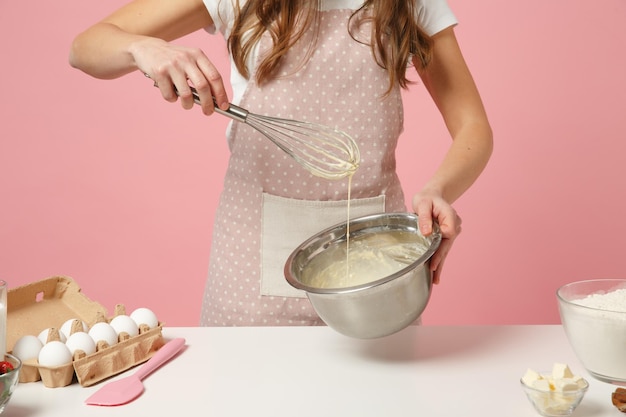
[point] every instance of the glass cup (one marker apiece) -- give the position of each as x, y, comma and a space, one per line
3, 318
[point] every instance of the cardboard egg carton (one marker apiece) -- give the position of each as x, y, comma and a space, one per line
47, 304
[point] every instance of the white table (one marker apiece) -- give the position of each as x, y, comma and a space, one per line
303, 371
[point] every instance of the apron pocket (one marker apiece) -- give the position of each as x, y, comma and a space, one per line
288, 222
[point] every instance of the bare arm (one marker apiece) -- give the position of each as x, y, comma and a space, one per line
449, 82
137, 37
452, 88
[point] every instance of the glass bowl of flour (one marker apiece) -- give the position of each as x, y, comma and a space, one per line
593, 314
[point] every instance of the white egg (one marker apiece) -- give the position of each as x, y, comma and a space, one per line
54, 354
81, 341
145, 316
66, 328
27, 347
103, 332
124, 324
43, 336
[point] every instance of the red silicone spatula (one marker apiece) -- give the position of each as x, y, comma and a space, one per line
127, 389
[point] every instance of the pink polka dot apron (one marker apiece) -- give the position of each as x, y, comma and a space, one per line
270, 204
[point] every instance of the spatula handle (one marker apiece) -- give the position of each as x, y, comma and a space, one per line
162, 355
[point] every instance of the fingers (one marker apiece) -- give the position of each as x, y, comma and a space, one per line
450, 224
439, 257
183, 90
424, 211
450, 227
431, 208
436, 266
173, 86
177, 71
215, 91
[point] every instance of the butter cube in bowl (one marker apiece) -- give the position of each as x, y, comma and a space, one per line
556, 393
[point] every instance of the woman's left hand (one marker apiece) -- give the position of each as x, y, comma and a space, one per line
430, 208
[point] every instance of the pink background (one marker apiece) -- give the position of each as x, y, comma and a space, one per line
105, 182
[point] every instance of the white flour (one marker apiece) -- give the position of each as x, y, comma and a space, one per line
599, 336
613, 301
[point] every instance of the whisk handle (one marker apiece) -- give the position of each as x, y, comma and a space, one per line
233, 111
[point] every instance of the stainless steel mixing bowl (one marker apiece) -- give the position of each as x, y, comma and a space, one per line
372, 309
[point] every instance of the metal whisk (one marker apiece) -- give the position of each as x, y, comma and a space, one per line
326, 152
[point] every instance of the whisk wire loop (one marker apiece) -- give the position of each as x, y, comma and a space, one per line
324, 151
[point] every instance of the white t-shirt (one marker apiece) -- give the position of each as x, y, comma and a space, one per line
433, 16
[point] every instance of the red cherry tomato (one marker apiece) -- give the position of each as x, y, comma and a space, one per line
5, 367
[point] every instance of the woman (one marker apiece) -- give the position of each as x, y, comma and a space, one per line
340, 63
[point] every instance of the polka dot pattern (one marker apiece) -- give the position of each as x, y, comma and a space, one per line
339, 85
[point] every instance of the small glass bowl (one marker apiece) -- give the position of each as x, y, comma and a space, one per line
554, 403
9, 380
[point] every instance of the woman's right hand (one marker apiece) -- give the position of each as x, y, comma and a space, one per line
138, 36
175, 69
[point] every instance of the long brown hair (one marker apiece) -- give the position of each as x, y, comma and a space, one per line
395, 37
